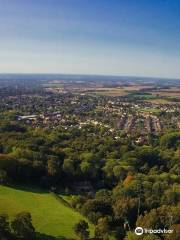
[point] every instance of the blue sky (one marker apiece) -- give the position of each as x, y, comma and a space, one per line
117, 37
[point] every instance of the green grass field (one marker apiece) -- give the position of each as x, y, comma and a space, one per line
50, 216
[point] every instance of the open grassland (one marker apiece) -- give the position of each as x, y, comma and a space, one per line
164, 100
171, 92
166, 94
158, 101
117, 91
137, 87
50, 216
112, 92
171, 89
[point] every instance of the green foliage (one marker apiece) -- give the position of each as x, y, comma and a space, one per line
126, 209
3, 177
160, 218
170, 140
11, 127
54, 166
81, 229
96, 208
102, 228
22, 226
5, 231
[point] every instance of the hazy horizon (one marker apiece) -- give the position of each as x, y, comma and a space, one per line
91, 76
116, 38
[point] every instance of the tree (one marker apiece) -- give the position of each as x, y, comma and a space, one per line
22, 226
101, 206
108, 168
126, 209
54, 166
4, 227
175, 235
81, 229
128, 180
120, 233
132, 236
162, 217
120, 172
86, 168
147, 156
102, 228
69, 166
170, 140
1, 148
89, 164
171, 197
3, 177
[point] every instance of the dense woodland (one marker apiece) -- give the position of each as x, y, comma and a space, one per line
125, 185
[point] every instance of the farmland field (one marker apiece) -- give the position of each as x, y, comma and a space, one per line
160, 101
50, 217
113, 92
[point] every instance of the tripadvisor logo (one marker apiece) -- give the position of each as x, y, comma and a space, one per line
140, 231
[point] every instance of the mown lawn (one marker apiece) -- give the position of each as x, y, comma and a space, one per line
50, 217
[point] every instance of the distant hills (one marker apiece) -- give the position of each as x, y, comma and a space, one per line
84, 78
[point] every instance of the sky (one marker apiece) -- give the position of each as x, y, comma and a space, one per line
109, 37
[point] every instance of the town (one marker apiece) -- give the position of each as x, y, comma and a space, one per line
80, 106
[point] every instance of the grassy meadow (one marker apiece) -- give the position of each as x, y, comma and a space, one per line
50, 217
